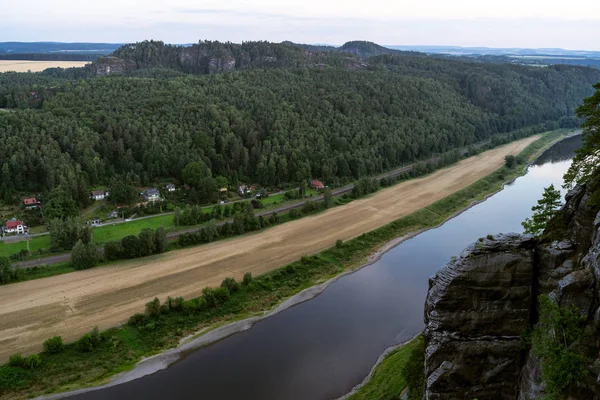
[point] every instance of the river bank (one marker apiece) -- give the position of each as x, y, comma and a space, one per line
335, 261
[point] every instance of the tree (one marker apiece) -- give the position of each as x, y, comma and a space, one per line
113, 251
510, 161
328, 198
6, 271
146, 243
161, 241
555, 340
84, 256
122, 193
130, 245
585, 163
59, 205
543, 212
65, 233
54, 345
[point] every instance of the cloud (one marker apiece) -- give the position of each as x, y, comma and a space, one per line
251, 14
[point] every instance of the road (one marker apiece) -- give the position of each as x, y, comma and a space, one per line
72, 304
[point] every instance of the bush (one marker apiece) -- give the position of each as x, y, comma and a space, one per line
54, 345
113, 251
137, 319
16, 360
33, 361
247, 279
89, 341
339, 243
208, 295
176, 304
221, 295
153, 308
84, 255
294, 214
230, 284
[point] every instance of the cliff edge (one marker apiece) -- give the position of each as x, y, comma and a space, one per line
479, 306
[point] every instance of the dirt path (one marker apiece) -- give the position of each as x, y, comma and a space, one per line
72, 304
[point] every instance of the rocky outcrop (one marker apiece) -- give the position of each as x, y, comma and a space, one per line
112, 66
476, 310
479, 305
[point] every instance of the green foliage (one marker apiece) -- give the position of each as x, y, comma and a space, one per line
160, 240
113, 251
230, 284
59, 204
328, 198
16, 360
221, 294
585, 163
89, 341
32, 361
54, 345
7, 274
555, 340
153, 308
146, 243
85, 256
64, 233
247, 279
123, 193
510, 161
414, 370
543, 212
137, 319
294, 214
339, 243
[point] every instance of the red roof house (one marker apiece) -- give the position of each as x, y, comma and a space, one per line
317, 184
32, 201
14, 226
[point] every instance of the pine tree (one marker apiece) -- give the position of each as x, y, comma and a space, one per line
543, 212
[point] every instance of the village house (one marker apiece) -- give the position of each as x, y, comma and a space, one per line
317, 185
244, 189
98, 195
152, 194
170, 187
30, 203
14, 226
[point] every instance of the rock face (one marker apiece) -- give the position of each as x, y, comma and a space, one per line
476, 310
479, 305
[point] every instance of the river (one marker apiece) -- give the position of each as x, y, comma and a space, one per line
323, 347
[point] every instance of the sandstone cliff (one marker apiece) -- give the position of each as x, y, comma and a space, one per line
480, 304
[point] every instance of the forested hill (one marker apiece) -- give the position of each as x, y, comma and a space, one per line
272, 126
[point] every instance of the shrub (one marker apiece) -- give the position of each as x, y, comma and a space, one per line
113, 251
176, 304
208, 295
490, 237
137, 319
221, 295
230, 284
339, 243
33, 361
54, 345
294, 214
16, 360
153, 308
84, 255
247, 279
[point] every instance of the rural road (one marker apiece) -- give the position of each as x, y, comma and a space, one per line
72, 304
174, 235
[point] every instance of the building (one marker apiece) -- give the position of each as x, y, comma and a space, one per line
244, 189
170, 187
152, 194
30, 203
317, 185
98, 195
14, 226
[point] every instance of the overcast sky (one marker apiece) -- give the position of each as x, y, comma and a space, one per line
573, 24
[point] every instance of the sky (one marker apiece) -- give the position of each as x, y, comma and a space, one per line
573, 24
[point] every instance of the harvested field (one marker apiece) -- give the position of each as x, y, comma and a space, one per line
72, 304
36, 66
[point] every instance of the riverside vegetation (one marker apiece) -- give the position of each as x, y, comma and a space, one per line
163, 325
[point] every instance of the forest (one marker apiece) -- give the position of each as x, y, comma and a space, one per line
272, 121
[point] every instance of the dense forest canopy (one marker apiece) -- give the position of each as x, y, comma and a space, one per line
289, 114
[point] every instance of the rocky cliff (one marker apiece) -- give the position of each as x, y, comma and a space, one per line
481, 303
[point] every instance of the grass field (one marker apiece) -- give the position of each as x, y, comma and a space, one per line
9, 247
109, 233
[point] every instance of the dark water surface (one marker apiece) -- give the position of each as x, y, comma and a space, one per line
323, 347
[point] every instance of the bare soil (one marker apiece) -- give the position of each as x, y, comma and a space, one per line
36, 66
72, 304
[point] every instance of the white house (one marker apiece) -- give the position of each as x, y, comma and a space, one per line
14, 226
170, 187
98, 195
